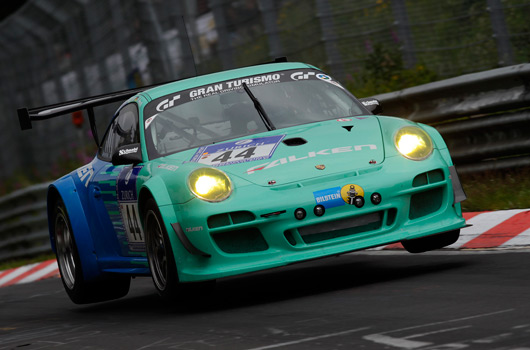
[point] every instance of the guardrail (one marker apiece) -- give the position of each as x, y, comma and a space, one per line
24, 223
484, 117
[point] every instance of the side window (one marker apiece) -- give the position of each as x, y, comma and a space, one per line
123, 131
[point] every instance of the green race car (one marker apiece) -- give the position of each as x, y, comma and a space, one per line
240, 171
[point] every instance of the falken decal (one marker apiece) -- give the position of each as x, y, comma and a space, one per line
128, 204
86, 173
323, 152
329, 198
237, 151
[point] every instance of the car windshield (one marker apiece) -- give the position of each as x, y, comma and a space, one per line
224, 110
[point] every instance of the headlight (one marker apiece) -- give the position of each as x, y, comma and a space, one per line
413, 143
210, 184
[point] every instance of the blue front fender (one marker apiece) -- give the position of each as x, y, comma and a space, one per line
66, 190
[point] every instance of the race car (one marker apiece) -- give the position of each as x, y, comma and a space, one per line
240, 171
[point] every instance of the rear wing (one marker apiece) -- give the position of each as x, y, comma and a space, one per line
26, 116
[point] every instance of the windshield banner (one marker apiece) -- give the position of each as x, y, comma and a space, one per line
237, 151
169, 101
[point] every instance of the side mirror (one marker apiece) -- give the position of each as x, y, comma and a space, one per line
372, 104
127, 155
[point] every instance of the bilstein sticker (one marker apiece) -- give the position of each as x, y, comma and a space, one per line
329, 198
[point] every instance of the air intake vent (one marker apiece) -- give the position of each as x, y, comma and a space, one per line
295, 141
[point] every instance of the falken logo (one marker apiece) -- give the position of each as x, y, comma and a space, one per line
128, 151
167, 103
323, 152
302, 75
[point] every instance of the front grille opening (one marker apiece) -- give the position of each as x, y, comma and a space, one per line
248, 240
340, 228
435, 176
239, 217
218, 220
391, 216
425, 203
430, 177
290, 238
226, 219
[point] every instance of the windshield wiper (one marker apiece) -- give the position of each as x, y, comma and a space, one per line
259, 108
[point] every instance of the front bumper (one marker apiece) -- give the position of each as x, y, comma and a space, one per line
256, 228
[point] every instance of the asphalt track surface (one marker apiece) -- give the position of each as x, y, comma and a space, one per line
366, 300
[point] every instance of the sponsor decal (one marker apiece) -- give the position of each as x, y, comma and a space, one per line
128, 204
322, 76
323, 152
237, 151
370, 102
329, 198
232, 85
138, 100
169, 167
194, 229
350, 191
86, 173
167, 103
128, 151
163, 103
344, 120
302, 75
150, 120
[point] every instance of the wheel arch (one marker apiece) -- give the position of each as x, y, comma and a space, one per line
65, 190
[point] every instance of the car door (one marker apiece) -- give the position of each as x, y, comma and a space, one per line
112, 191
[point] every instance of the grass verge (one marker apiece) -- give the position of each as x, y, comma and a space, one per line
497, 190
11, 264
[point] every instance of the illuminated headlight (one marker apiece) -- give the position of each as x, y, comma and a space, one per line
413, 143
210, 184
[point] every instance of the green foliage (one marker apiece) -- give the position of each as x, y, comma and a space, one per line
67, 162
497, 190
300, 32
11, 264
384, 71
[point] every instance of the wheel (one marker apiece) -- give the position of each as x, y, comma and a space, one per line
162, 261
107, 287
159, 253
420, 245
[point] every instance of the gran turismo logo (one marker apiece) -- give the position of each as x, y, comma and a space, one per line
167, 103
302, 75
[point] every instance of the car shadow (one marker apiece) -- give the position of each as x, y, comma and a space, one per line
288, 283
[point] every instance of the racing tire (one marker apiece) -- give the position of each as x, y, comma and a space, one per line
80, 291
160, 254
424, 244
162, 262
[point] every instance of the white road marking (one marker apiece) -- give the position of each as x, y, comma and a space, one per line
305, 340
39, 274
397, 342
405, 343
481, 223
17, 272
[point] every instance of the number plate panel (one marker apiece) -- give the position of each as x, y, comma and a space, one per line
237, 151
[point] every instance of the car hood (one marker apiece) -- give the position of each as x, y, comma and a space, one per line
316, 150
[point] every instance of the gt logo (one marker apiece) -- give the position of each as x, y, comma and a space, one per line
301, 75
167, 103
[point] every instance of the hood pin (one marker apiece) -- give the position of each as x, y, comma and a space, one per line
272, 182
320, 167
